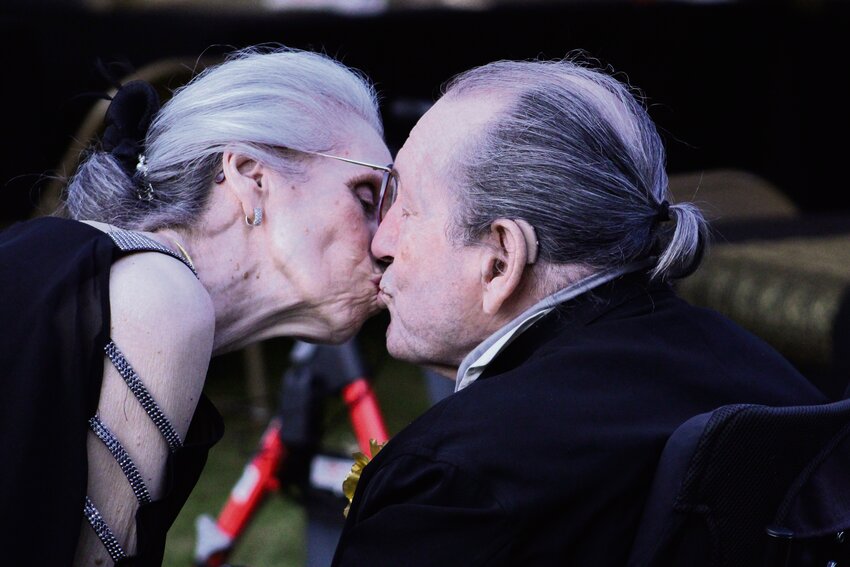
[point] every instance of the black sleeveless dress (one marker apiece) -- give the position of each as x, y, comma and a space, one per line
54, 333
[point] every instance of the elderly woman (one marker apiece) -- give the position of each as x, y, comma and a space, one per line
241, 210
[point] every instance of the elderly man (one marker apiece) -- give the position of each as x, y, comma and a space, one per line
529, 251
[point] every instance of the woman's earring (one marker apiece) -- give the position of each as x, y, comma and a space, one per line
258, 217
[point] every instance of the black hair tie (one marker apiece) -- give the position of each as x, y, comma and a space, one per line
662, 214
127, 121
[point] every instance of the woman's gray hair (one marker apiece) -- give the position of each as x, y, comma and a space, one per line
257, 102
574, 153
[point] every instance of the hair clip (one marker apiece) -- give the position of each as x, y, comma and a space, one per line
142, 166
145, 193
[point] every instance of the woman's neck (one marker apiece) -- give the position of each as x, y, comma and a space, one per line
252, 301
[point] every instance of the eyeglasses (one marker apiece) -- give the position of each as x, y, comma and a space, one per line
389, 181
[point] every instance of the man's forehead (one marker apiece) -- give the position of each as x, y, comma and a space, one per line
443, 131
454, 119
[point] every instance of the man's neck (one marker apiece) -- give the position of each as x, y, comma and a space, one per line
477, 360
449, 372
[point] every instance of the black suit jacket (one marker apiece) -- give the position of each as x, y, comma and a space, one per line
547, 458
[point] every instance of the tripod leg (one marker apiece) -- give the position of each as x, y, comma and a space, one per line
366, 418
217, 537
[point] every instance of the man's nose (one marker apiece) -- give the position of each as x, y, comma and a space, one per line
383, 243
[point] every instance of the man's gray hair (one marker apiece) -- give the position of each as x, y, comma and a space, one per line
257, 102
574, 153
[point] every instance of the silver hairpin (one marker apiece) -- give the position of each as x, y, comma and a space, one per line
142, 166
145, 192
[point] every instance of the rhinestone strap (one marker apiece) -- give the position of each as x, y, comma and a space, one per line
138, 388
123, 458
104, 533
130, 241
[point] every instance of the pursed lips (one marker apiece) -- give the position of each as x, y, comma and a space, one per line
383, 293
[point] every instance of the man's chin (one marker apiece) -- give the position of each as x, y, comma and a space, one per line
403, 352
394, 346
402, 349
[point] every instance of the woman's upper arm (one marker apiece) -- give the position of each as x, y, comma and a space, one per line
162, 321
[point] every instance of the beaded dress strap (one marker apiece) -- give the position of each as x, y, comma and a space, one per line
128, 467
134, 383
130, 241
145, 399
104, 533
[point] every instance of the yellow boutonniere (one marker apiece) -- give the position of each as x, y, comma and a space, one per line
360, 461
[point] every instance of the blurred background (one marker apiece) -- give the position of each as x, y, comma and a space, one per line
748, 96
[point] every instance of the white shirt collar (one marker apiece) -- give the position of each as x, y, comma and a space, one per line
474, 364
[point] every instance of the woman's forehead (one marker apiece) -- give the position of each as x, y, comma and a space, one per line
360, 141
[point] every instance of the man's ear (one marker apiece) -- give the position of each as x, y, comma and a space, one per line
505, 257
244, 176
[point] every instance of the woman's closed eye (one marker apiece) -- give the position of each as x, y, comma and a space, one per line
367, 193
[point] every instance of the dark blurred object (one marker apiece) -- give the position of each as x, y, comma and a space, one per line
727, 477
781, 273
438, 386
729, 195
789, 282
744, 85
289, 454
165, 75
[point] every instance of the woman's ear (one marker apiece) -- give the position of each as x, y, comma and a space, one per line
507, 253
244, 176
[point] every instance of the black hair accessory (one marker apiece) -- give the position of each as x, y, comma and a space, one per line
663, 212
127, 121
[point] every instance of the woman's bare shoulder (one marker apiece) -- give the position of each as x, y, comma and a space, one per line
155, 288
162, 321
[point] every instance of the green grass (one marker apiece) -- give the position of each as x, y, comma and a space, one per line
276, 536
